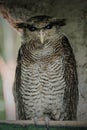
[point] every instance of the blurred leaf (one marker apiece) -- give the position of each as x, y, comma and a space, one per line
2, 115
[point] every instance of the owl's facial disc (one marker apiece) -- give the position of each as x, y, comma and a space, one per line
42, 32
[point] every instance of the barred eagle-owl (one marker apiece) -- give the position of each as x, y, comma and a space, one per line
46, 83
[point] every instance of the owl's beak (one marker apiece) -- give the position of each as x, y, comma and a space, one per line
42, 36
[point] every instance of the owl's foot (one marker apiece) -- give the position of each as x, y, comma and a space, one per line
35, 119
47, 122
46, 119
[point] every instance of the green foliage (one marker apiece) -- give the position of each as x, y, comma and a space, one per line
1, 88
2, 105
4, 126
2, 115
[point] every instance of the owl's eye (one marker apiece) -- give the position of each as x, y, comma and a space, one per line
32, 28
49, 26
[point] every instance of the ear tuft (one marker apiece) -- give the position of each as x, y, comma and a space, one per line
62, 22
59, 22
20, 25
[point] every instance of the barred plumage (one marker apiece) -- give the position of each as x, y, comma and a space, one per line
46, 81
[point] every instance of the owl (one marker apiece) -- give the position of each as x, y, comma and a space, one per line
46, 83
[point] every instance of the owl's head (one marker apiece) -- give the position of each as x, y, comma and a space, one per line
41, 28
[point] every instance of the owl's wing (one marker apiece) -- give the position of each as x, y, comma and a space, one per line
17, 76
16, 89
71, 79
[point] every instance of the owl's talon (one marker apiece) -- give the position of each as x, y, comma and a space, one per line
35, 119
47, 122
